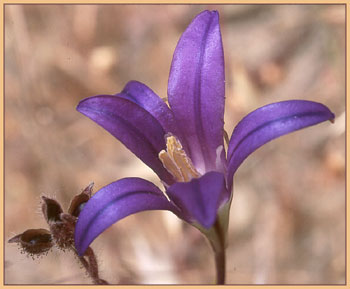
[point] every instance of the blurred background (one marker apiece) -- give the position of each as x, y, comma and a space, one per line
287, 222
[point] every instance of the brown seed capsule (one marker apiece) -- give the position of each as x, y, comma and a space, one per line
34, 241
51, 210
80, 200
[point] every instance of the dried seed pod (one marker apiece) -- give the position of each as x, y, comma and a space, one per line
79, 201
51, 210
34, 241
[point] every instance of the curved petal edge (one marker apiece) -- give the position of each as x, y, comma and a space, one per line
135, 127
115, 202
200, 198
196, 89
270, 122
145, 97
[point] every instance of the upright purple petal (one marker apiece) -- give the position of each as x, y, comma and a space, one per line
136, 128
146, 98
270, 122
200, 198
114, 202
196, 89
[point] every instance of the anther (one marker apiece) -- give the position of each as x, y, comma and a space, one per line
176, 161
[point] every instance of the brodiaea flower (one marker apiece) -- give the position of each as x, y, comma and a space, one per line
183, 144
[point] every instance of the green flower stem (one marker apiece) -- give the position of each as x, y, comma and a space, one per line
216, 235
220, 265
220, 253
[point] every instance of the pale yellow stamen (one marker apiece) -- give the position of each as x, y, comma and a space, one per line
176, 161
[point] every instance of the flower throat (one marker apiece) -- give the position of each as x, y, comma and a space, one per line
176, 161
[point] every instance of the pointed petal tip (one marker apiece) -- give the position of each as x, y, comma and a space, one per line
92, 101
329, 115
84, 103
208, 13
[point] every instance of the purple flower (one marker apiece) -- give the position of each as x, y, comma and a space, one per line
183, 142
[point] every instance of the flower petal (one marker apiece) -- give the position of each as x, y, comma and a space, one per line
196, 89
114, 202
146, 98
200, 198
136, 128
269, 122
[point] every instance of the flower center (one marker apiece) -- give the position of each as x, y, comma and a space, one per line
176, 161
